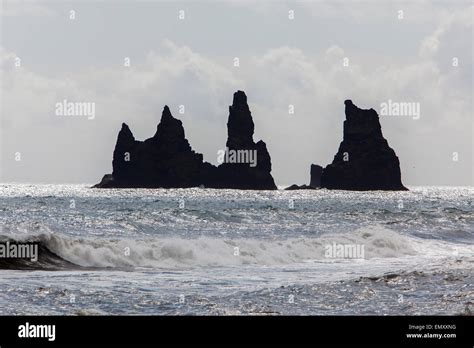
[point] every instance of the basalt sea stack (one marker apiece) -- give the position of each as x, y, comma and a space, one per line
167, 160
315, 174
240, 129
364, 160
315, 181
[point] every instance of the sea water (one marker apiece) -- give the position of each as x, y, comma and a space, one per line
220, 252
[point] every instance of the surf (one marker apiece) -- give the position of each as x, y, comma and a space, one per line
61, 252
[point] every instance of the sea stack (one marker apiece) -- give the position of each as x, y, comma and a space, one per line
364, 160
253, 173
315, 175
167, 160
315, 181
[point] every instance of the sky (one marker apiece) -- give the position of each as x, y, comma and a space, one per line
308, 56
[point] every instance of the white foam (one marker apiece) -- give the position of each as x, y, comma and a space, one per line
378, 242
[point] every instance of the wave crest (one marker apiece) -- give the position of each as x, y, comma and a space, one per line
58, 251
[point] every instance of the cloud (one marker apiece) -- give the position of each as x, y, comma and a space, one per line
360, 11
56, 149
456, 24
14, 8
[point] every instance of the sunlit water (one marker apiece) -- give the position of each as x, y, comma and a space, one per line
204, 251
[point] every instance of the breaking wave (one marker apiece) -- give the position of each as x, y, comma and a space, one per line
58, 251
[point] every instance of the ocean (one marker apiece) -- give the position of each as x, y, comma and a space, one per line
231, 252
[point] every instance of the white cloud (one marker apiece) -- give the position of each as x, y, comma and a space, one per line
49, 143
64, 150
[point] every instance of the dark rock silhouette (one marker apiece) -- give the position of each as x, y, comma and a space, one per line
240, 129
364, 160
167, 160
315, 180
316, 172
300, 187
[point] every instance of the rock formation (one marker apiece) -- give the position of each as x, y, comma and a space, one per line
240, 129
316, 172
364, 160
300, 187
315, 181
167, 160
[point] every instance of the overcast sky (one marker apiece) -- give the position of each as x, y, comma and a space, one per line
190, 62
